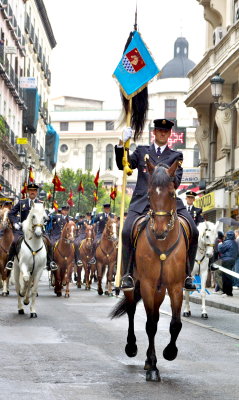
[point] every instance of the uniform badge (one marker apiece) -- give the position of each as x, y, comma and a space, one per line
24, 205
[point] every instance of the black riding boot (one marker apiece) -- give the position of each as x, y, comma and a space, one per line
12, 253
78, 261
188, 284
51, 265
127, 282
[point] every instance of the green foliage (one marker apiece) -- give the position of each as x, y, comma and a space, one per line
83, 203
3, 128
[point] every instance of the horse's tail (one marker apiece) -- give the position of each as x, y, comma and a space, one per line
124, 306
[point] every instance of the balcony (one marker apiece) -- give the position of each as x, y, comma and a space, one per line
11, 79
36, 44
27, 23
32, 34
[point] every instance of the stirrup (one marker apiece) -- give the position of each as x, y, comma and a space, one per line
189, 285
9, 265
92, 260
127, 283
79, 263
53, 266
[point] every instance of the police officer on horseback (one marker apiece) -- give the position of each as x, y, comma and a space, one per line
158, 152
17, 215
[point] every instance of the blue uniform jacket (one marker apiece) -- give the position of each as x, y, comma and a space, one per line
20, 211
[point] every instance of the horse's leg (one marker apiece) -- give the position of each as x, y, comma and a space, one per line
203, 276
131, 346
17, 287
99, 277
68, 278
34, 288
58, 284
79, 277
176, 296
23, 279
110, 277
26, 300
187, 312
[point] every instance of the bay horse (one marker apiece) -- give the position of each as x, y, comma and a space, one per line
106, 256
86, 253
64, 256
206, 240
5, 243
31, 259
160, 265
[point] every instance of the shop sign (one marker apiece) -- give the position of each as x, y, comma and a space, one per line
22, 140
206, 202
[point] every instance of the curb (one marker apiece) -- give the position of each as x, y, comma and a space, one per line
216, 304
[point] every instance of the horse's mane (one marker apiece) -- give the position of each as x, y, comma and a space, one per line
160, 176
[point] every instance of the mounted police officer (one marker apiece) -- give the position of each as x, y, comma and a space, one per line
58, 223
158, 152
81, 225
195, 212
17, 215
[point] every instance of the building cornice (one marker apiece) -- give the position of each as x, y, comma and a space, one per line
46, 23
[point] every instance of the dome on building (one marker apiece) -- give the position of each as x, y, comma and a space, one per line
180, 65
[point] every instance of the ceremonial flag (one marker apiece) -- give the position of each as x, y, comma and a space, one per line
55, 205
31, 176
57, 184
95, 196
49, 195
96, 180
136, 67
24, 190
81, 188
113, 193
70, 199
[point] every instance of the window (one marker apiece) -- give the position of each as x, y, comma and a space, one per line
109, 157
196, 156
109, 125
236, 10
64, 148
89, 157
170, 109
89, 126
64, 126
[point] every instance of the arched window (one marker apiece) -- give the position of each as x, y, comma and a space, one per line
196, 156
109, 157
89, 157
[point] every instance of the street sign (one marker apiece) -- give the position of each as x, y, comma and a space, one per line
22, 140
27, 82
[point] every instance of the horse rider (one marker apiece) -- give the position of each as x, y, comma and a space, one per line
58, 223
99, 222
81, 225
17, 215
195, 212
158, 152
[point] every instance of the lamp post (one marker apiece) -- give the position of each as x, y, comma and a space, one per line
216, 89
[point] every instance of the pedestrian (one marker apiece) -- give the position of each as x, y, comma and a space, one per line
228, 253
236, 266
158, 152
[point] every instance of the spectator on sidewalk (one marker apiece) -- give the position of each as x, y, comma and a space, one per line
228, 252
215, 258
236, 266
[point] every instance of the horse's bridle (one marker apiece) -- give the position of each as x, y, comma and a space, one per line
173, 216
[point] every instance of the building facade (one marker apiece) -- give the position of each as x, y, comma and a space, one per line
217, 134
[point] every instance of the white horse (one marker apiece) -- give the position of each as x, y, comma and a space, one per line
31, 260
206, 240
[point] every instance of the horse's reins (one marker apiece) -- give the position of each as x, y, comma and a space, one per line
33, 254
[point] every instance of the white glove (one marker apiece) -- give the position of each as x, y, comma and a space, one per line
16, 226
127, 134
94, 210
51, 211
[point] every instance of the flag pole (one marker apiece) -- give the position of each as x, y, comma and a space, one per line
53, 196
127, 171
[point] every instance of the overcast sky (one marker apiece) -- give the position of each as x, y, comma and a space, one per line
91, 35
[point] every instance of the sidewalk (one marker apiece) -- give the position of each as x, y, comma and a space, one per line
216, 300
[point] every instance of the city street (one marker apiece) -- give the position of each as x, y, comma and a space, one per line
74, 351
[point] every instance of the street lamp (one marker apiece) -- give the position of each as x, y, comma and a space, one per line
216, 88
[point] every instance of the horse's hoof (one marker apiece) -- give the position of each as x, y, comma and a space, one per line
67, 295
7, 292
33, 315
204, 316
21, 295
147, 366
106, 293
187, 314
26, 302
117, 292
100, 292
78, 285
153, 375
4, 294
170, 352
110, 294
59, 294
21, 312
131, 350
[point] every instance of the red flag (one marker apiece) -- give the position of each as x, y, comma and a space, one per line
95, 196
57, 184
0, 186
96, 180
70, 199
49, 195
113, 193
81, 188
55, 205
31, 176
24, 190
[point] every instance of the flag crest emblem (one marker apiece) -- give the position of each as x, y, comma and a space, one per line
133, 61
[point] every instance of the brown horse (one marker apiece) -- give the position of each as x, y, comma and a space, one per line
160, 260
86, 253
64, 256
106, 255
5, 243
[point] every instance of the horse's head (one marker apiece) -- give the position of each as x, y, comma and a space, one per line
111, 229
35, 220
69, 232
4, 222
89, 235
162, 198
207, 237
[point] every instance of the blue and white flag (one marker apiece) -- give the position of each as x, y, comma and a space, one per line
136, 67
